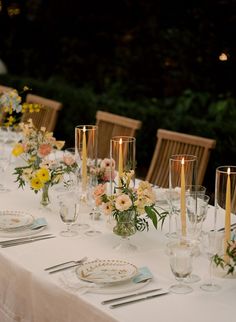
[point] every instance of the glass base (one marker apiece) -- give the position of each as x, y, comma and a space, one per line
210, 287
192, 278
4, 189
68, 233
125, 246
172, 235
44, 208
92, 233
80, 227
180, 289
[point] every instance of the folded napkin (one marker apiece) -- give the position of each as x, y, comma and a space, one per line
70, 281
39, 223
143, 275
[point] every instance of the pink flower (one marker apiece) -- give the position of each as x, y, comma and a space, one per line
107, 163
68, 159
99, 190
44, 150
107, 174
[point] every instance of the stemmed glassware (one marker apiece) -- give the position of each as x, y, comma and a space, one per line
68, 210
212, 243
72, 178
180, 254
196, 211
94, 212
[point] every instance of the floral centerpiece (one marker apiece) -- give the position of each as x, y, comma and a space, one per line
131, 207
12, 107
230, 263
103, 170
40, 171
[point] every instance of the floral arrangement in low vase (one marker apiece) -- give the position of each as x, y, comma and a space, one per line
40, 170
12, 106
131, 207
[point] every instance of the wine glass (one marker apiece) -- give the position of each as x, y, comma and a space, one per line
69, 210
94, 212
70, 157
212, 243
180, 255
196, 208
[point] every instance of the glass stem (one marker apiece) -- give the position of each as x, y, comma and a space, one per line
210, 271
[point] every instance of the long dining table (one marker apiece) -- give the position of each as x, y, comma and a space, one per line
28, 293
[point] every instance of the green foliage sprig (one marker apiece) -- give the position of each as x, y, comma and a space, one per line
231, 263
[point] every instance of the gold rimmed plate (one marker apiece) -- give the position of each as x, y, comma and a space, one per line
11, 220
106, 271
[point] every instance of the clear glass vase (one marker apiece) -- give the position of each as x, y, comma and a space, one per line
125, 227
45, 201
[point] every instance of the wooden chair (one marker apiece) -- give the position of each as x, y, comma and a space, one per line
110, 125
47, 116
170, 143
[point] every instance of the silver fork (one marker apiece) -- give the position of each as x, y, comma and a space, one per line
65, 263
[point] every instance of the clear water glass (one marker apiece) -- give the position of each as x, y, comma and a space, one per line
69, 211
180, 256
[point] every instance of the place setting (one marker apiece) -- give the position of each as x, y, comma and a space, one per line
105, 276
21, 227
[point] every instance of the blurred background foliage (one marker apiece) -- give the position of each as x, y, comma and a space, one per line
168, 63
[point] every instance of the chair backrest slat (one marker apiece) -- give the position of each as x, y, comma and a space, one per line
110, 125
170, 143
48, 114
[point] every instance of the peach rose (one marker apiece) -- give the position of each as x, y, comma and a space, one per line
44, 150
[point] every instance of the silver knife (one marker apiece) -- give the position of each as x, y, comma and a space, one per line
113, 306
25, 241
128, 296
64, 268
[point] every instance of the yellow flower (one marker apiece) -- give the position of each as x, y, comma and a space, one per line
10, 120
36, 184
43, 175
18, 150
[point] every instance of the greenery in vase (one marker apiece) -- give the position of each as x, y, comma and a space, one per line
231, 254
37, 149
126, 199
12, 107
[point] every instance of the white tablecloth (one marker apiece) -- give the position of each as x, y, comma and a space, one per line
29, 294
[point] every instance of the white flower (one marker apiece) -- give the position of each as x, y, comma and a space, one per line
123, 202
107, 208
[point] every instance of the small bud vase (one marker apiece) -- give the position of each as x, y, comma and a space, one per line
45, 201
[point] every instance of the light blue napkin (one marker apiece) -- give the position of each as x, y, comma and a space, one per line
143, 274
39, 223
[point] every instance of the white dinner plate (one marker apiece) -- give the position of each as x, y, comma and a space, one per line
122, 288
20, 233
106, 271
11, 220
